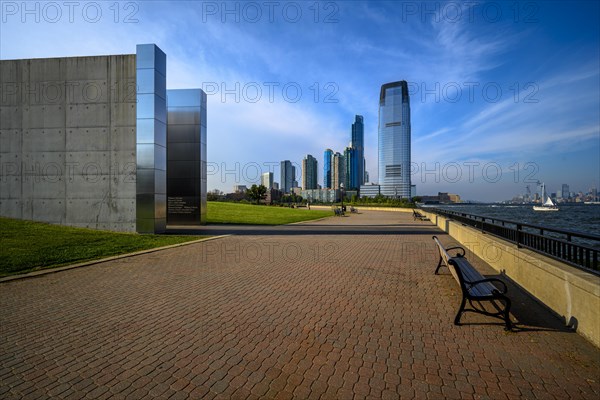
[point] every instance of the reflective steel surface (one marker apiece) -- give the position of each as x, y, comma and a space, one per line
151, 187
186, 157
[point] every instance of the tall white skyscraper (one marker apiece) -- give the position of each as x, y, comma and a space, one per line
394, 140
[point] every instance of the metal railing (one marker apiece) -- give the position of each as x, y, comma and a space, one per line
578, 249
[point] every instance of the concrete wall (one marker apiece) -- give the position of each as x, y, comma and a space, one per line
571, 293
68, 141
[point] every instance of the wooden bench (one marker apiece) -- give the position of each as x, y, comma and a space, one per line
475, 288
418, 216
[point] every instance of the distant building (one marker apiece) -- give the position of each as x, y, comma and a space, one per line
288, 176
338, 170
351, 162
321, 195
266, 180
454, 198
348, 194
309, 172
239, 188
370, 191
565, 191
327, 169
394, 140
273, 196
276, 185
357, 167
441, 198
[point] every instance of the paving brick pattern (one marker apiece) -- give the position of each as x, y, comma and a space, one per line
294, 315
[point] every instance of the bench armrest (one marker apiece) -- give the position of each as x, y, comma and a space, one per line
457, 248
504, 287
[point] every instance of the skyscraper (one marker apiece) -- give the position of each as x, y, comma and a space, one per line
394, 140
565, 191
357, 171
338, 170
309, 172
294, 181
351, 178
327, 155
288, 176
266, 180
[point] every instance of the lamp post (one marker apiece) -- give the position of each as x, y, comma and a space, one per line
342, 194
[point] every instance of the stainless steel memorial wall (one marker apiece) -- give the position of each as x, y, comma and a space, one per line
151, 189
186, 157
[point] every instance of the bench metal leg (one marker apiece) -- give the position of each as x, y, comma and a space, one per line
503, 314
508, 324
438, 266
460, 311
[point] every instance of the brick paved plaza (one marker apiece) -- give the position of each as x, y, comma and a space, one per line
339, 308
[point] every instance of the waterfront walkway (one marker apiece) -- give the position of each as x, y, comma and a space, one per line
340, 308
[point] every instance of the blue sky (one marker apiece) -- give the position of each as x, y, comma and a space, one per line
502, 94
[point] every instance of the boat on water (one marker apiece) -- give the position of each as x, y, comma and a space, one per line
548, 204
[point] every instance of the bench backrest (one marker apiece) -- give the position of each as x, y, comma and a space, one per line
454, 265
443, 253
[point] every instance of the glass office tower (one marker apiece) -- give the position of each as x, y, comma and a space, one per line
357, 171
394, 140
327, 155
351, 167
288, 176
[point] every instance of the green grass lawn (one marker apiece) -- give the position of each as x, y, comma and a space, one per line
249, 214
27, 246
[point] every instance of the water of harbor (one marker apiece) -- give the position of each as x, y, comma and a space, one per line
583, 218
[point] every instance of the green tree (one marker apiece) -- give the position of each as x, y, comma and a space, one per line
257, 193
215, 195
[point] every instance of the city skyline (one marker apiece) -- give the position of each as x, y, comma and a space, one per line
482, 84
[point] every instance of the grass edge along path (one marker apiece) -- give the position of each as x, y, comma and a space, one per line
251, 214
27, 246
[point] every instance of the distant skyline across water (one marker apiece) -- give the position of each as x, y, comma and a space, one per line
575, 217
503, 94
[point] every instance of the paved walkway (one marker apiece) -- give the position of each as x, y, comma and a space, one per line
339, 308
